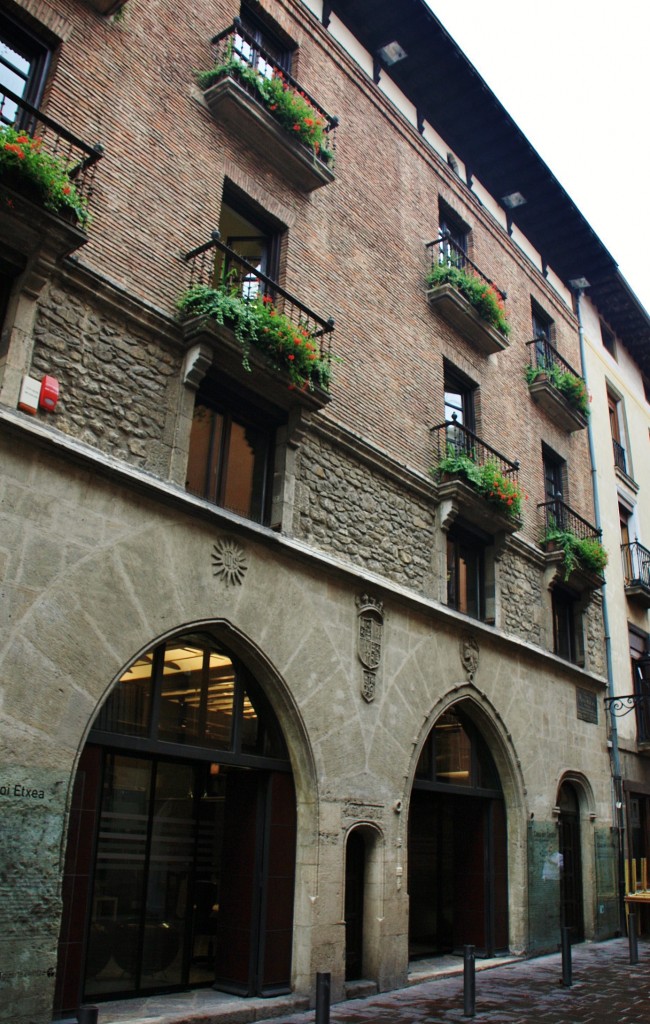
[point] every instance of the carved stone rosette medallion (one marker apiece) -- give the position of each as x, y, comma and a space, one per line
469, 655
229, 562
370, 632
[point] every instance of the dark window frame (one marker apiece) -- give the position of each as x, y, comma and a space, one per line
555, 474
451, 222
33, 50
270, 37
234, 410
263, 227
543, 325
608, 339
458, 384
466, 590
567, 625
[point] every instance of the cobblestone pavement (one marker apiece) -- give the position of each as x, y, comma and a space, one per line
606, 990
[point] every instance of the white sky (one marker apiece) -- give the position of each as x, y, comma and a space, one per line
575, 76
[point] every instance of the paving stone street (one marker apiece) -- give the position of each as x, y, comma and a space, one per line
606, 990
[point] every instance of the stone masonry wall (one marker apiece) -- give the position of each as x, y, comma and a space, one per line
117, 384
520, 598
342, 506
594, 638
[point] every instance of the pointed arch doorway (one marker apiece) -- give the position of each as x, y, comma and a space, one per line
181, 844
457, 856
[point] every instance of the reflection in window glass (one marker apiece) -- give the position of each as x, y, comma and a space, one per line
219, 701
23, 64
197, 697
14, 71
453, 752
128, 709
228, 460
249, 728
190, 692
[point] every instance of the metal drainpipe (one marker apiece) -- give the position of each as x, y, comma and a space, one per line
615, 756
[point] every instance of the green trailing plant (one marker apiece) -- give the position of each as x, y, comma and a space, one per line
287, 104
26, 167
482, 296
486, 478
568, 384
290, 347
579, 552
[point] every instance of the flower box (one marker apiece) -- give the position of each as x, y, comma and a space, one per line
233, 106
580, 579
28, 230
453, 307
458, 499
215, 344
555, 405
577, 562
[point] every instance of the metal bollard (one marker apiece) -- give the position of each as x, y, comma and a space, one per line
322, 998
632, 936
88, 1014
469, 982
566, 958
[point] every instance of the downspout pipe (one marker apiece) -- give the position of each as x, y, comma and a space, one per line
614, 754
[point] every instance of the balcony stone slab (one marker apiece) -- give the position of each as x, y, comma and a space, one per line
233, 106
638, 592
29, 233
555, 405
209, 344
457, 500
457, 311
583, 581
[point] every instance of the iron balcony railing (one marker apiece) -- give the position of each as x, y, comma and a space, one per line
78, 157
636, 565
557, 515
235, 43
620, 460
216, 265
544, 356
453, 439
445, 252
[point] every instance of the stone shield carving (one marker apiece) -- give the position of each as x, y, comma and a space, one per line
469, 655
370, 632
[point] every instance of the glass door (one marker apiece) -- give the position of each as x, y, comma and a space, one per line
156, 878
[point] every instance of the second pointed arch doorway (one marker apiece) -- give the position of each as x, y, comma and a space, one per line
457, 856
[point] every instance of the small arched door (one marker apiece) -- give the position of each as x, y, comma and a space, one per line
457, 856
181, 845
571, 893
355, 872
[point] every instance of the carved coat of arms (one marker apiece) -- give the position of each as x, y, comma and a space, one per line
369, 640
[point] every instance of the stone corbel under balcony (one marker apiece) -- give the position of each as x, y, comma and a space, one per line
553, 402
457, 311
209, 343
457, 500
232, 105
583, 581
31, 235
